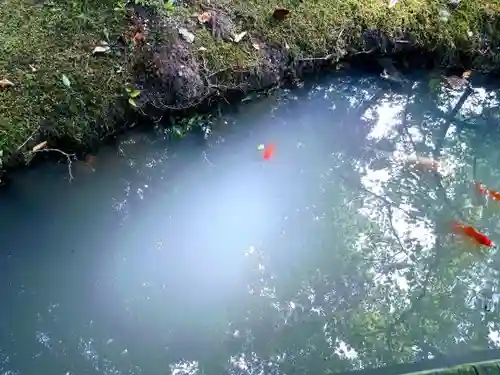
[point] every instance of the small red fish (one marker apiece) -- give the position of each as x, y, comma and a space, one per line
467, 230
269, 151
482, 189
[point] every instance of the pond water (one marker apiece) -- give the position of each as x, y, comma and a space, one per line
197, 255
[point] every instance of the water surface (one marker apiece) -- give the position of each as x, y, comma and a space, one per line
196, 255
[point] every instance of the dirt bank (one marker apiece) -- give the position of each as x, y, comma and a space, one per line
77, 71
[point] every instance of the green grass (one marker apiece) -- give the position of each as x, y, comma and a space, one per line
56, 38
317, 27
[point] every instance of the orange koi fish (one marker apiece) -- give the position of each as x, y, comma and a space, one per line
482, 189
468, 231
269, 151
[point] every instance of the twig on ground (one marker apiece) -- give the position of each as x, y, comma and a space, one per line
68, 158
371, 50
28, 139
324, 58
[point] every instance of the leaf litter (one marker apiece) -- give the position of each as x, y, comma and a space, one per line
4, 83
237, 38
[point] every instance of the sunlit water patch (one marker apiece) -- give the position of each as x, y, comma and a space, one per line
197, 255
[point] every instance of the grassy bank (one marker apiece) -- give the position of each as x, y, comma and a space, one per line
322, 27
62, 91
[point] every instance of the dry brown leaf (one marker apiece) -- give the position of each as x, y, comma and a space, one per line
205, 17
40, 146
239, 36
467, 74
4, 83
138, 37
280, 13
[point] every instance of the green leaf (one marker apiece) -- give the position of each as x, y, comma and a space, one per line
169, 5
135, 93
128, 89
132, 102
178, 130
66, 81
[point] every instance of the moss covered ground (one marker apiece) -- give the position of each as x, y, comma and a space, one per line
44, 41
315, 28
40, 43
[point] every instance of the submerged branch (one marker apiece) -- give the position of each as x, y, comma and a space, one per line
68, 157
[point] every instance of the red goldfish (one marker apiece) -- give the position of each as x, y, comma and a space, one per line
482, 189
470, 232
269, 151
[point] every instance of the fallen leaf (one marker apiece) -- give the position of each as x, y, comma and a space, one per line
40, 146
202, 49
280, 13
138, 37
205, 17
287, 46
66, 81
239, 36
467, 74
4, 83
256, 46
33, 68
392, 3
100, 49
188, 37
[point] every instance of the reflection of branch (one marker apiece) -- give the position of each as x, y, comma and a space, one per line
394, 230
383, 199
442, 192
474, 168
450, 117
404, 124
422, 294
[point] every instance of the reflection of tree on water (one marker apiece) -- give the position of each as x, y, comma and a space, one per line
414, 295
381, 283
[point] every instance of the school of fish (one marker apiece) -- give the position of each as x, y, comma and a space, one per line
457, 228
425, 163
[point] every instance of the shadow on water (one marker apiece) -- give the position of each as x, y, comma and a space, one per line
197, 255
